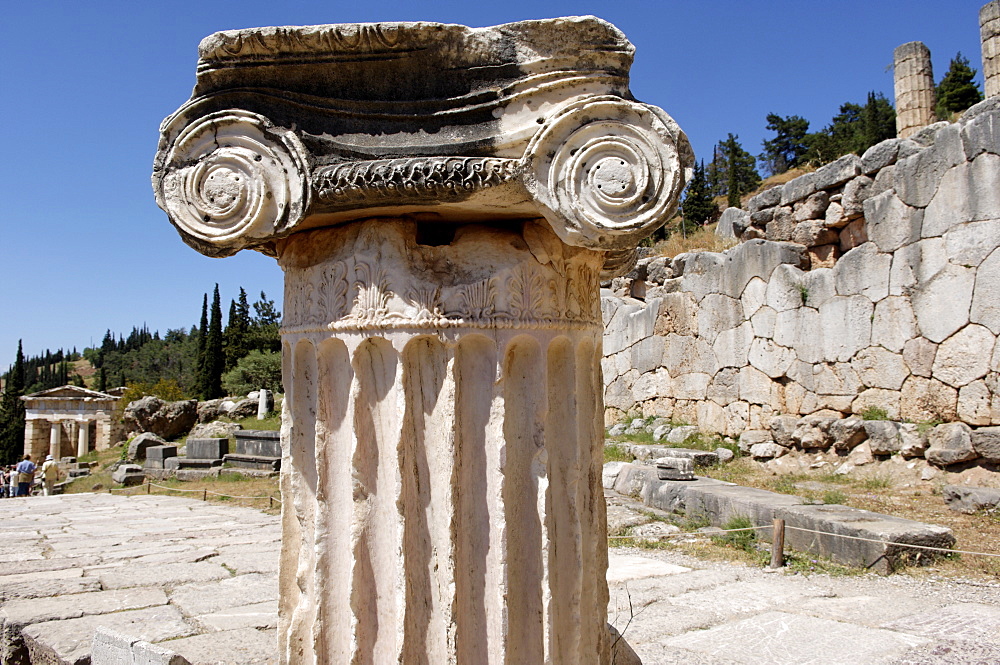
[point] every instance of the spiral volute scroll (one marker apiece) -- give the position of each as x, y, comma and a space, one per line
607, 171
232, 180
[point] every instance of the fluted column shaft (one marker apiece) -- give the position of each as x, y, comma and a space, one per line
989, 31
914, 87
443, 459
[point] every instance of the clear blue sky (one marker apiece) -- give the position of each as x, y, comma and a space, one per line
84, 86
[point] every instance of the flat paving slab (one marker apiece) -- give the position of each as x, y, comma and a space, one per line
200, 579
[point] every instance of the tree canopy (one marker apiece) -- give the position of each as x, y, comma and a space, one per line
957, 91
697, 207
787, 149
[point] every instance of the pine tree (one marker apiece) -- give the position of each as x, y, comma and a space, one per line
214, 359
957, 91
787, 148
854, 129
265, 327
12, 414
697, 208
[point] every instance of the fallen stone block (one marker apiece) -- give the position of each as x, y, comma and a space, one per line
113, 648
970, 500
674, 468
879, 556
128, 474
214, 448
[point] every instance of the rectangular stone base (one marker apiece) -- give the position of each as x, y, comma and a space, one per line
261, 462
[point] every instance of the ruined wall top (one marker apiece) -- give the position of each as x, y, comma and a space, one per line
291, 128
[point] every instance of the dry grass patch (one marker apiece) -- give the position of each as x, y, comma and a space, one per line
877, 492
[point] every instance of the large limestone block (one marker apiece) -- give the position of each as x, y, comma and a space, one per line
770, 358
711, 417
836, 379
918, 354
631, 320
986, 443
922, 400
813, 207
716, 314
785, 288
894, 324
837, 172
702, 273
879, 368
892, 223
732, 346
799, 330
683, 354
889, 400
950, 443
165, 419
975, 404
732, 223
692, 386
725, 387
969, 192
782, 223
863, 271
798, 188
942, 304
756, 387
763, 322
917, 264
852, 203
918, 176
879, 156
645, 355
754, 296
678, 314
986, 297
737, 415
981, 134
756, 257
912, 440
965, 356
651, 385
968, 244
618, 395
820, 284
846, 324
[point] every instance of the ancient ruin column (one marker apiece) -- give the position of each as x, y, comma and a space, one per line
443, 202
989, 31
914, 84
83, 442
55, 440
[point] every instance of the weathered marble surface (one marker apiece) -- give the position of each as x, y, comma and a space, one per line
443, 201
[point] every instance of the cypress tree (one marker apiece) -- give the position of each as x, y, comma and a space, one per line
214, 359
200, 381
102, 380
697, 208
12, 412
741, 170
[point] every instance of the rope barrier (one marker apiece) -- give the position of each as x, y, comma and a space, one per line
715, 533
204, 492
888, 542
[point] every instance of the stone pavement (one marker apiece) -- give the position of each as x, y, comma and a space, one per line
201, 580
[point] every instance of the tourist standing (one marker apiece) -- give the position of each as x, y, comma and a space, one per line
50, 474
11, 481
25, 476
3, 482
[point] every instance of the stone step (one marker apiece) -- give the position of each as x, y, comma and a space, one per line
262, 462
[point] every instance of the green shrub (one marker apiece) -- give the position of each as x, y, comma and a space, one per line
874, 413
257, 369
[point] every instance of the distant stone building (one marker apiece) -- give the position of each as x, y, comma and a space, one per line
70, 420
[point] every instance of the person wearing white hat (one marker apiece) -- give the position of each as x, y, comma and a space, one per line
50, 474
